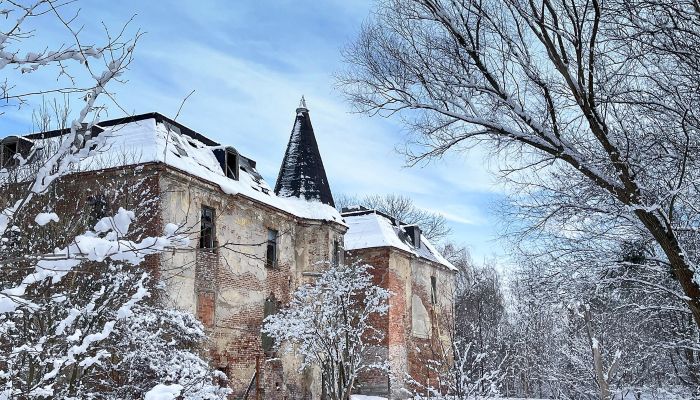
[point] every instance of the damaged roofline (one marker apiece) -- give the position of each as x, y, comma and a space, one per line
158, 117
366, 211
132, 118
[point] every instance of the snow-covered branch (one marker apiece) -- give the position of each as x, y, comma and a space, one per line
329, 324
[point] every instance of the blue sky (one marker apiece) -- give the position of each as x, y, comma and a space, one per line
249, 62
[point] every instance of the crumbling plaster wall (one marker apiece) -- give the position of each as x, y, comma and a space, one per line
227, 288
432, 321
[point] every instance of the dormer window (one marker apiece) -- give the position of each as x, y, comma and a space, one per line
413, 232
7, 154
231, 165
230, 162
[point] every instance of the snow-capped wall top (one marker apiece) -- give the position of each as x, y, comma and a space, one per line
369, 228
302, 174
154, 138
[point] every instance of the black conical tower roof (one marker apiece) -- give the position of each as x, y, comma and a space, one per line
302, 174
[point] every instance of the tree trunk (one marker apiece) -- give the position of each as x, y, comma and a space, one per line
602, 380
680, 267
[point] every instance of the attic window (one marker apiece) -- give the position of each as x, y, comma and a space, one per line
414, 233
231, 165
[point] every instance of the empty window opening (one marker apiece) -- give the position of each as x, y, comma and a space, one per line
414, 234
206, 233
337, 253
271, 260
231, 165
433, 290
98, 209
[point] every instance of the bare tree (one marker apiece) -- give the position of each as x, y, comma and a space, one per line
603, 95
550, 338
603, 377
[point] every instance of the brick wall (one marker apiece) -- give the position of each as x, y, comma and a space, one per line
374, 382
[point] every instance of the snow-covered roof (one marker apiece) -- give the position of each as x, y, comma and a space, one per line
152, 137
371, 229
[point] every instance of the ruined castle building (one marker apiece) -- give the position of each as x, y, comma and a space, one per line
253, 246
419, 323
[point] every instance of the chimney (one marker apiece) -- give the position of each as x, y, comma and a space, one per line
413, 232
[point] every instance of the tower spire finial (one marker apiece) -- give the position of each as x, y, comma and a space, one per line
302, 105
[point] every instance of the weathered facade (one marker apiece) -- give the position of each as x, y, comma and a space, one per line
253, 246
419, 323
228, 287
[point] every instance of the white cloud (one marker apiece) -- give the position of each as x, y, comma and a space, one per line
459, 214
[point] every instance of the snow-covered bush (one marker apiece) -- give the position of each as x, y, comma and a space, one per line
463, 378
163, 346
329, 324
95, 329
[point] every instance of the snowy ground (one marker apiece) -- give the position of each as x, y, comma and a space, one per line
363, 397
